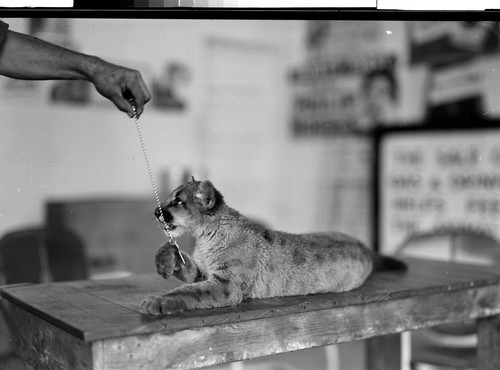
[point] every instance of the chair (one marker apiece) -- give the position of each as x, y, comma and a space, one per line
20, 259
449, 346
39, 255
35, 255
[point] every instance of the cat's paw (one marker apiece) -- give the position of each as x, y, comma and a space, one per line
151, 306
165, 260
158, 305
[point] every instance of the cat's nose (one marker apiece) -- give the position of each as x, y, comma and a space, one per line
163, 212
158, 212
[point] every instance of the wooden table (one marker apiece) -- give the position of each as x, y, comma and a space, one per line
97, 324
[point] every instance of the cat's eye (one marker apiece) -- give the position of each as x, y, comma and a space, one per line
179, 202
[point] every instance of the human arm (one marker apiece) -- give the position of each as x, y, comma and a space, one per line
29, 58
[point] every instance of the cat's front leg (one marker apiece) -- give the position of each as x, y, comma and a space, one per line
169, 263
214, 292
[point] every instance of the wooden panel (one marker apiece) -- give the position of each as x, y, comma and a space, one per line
56, 321
192, 348
384, 352
488, 349
45, 346
93, 310
78, 312
119, 234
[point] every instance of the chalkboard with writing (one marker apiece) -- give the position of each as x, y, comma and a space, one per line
428, 180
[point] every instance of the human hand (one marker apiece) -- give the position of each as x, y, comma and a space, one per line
123, 86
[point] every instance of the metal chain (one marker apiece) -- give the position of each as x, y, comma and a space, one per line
166, 230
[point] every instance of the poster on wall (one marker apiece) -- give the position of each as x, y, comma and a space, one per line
167, 89
57, 31
354, 79
70, 92
348, 95
439, 43
329, 98
347, 82
430, 180
456, 54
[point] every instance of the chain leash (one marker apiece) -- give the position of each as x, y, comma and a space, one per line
166, 229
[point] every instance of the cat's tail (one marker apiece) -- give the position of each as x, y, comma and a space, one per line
386, 263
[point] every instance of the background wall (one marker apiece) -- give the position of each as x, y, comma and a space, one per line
65, 150
235, 129
278, 114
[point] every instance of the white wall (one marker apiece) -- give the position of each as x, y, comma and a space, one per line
57, 151
63, 151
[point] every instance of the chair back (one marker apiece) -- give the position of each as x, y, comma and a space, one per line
35, 255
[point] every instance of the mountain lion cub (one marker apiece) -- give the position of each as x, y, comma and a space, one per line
236, 259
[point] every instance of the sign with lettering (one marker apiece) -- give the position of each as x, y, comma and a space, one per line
434, 179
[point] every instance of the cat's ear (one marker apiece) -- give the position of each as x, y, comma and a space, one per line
207, 196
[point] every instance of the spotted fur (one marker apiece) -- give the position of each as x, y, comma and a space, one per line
237, 259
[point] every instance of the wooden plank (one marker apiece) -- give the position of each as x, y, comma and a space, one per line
132, 244
43, 345
376, 288
77, 312
488, 347
15, 363
127, 292
192, 348
106, 314
384, 352
93, 310
131, 293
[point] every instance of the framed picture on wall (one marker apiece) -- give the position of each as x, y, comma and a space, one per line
435, 185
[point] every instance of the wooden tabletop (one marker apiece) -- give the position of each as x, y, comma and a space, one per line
95, 310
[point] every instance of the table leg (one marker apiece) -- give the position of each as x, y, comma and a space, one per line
488, 345
14, 362
383, 352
